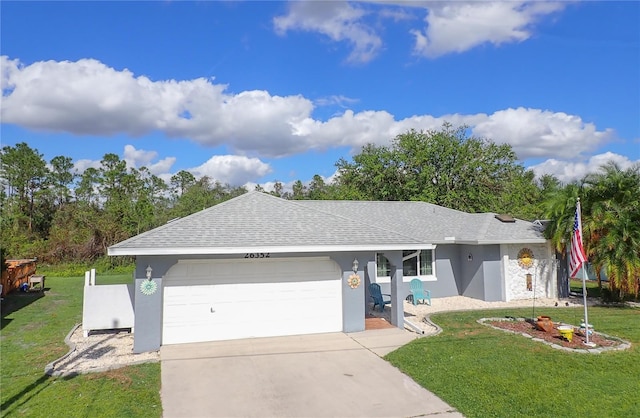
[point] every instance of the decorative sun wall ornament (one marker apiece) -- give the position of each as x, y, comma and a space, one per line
354, 281
525, 258
148, 287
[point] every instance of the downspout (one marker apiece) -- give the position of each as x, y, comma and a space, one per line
413, 326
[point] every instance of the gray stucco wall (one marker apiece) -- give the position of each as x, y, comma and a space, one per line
397, 288
471, 277
147, 334
447, 269
494, 285
481, 276
353, 306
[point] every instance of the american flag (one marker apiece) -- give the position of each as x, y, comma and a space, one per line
577, 255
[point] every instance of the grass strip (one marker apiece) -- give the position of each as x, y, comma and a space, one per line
33, 329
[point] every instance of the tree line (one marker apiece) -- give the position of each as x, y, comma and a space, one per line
52, 212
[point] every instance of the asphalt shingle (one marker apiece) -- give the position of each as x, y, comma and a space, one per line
258, 220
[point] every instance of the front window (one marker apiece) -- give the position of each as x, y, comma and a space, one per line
417, 263
414, 263
383, 266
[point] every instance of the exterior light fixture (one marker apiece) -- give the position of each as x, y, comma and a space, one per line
470, 257
149, 270
354, 280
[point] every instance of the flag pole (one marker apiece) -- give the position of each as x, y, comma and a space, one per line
584, 298
579, 255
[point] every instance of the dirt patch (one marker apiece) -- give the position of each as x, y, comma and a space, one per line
553, 336
119, 375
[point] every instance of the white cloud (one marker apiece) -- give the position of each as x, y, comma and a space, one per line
449, 27
162, 167
82, 165
542, 133
531, 132
337, 100
136, 158
89, 98
568, 171
9, 69
462, 25
232, 169
338, 20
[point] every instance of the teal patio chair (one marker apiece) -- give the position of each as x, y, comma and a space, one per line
419, 293
378, 297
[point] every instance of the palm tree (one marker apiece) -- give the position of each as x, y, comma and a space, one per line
610, 220
560, 209
613, 226
618, 249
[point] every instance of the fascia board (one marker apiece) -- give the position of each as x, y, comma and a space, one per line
515, 241
273, 250
498, 241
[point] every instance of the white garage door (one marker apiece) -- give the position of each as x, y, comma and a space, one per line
212, 300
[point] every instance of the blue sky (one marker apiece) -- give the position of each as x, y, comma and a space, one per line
253, 92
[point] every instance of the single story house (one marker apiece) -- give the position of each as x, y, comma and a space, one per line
259, 266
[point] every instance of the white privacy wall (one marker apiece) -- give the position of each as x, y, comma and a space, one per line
106, 306
543, 272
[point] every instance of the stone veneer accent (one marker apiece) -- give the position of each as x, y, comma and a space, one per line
543, 272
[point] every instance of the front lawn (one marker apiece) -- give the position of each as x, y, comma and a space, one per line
593, 291
484, 372
33, 331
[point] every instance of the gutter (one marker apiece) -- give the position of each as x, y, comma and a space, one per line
195, 250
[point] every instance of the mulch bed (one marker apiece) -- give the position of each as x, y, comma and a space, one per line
554, 336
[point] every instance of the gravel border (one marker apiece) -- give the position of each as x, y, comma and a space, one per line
49, 369
99, 352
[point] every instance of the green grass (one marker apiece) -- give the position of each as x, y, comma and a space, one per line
104, 266
33, 330
593, 291
489, 373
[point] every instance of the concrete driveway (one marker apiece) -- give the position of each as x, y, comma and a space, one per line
323, 375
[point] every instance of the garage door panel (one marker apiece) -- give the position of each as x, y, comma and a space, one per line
241, 300
250, 271
259, 299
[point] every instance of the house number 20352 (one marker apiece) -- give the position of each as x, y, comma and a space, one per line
257, 255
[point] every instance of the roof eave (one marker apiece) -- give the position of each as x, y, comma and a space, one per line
498, 241
118, 251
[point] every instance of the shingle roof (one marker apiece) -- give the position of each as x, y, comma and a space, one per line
258, 222
432, 223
